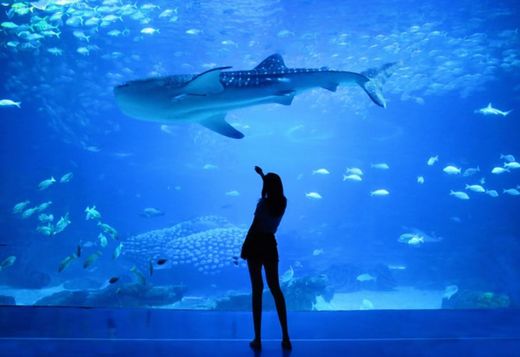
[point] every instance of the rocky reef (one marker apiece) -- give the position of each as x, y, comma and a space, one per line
7, 300
300, 295
127, 295
27, 279
469, 299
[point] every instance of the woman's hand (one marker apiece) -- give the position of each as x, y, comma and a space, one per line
259, 171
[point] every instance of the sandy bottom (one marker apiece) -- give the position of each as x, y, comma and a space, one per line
404, 297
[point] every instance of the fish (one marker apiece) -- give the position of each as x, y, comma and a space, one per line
489, 110
476, 188
452, 170
10, 103
113, 280
46, 183
396, 267
83, 51
415, 232
55, 51
29, 212
64, 264
450, 291
288, 275
80, 35
206, 98
9, 25
67, 177
138, 275
380, 166
78, 250
47, 230
108, 230
460, 195
7, 262
233, 193
103, 241
365, 277
209, 167
354, 171
499, 170
471, 171
46, 218
167, 13
432, 160
313, 195
317, 252
416, 241
507, 157
420, 180
512, 165
20, 206
43, 206
150, 212
91, 259
511, 191
193, 31
117, 251
352, 177
149, 31
379, 192
161, 261
321, 172
492, 193
366, 305
92, 213
63, 222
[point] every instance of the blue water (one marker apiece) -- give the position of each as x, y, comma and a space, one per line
453, 59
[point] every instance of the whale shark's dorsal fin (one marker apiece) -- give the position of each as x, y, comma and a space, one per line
489, 106
219, 124
206, 83
272, 63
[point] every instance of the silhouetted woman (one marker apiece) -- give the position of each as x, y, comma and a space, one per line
260, 249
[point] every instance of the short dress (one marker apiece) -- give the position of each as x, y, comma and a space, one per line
260, 243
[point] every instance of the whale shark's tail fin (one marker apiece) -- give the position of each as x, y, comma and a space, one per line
374, 78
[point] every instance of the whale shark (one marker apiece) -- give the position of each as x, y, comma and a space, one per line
207, 97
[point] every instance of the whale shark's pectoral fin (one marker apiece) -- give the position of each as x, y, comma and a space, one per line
206, 83
330, 86
219, 124
284, 97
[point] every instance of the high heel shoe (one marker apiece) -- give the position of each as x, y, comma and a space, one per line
256, 345
286, 345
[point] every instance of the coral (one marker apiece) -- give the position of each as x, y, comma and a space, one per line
207, 243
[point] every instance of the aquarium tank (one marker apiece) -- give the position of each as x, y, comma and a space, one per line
130, 131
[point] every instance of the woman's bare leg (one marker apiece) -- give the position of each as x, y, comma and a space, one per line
257, 285
271, 274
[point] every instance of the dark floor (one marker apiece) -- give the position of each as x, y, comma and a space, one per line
75, 331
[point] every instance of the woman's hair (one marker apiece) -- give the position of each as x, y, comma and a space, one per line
272, 192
